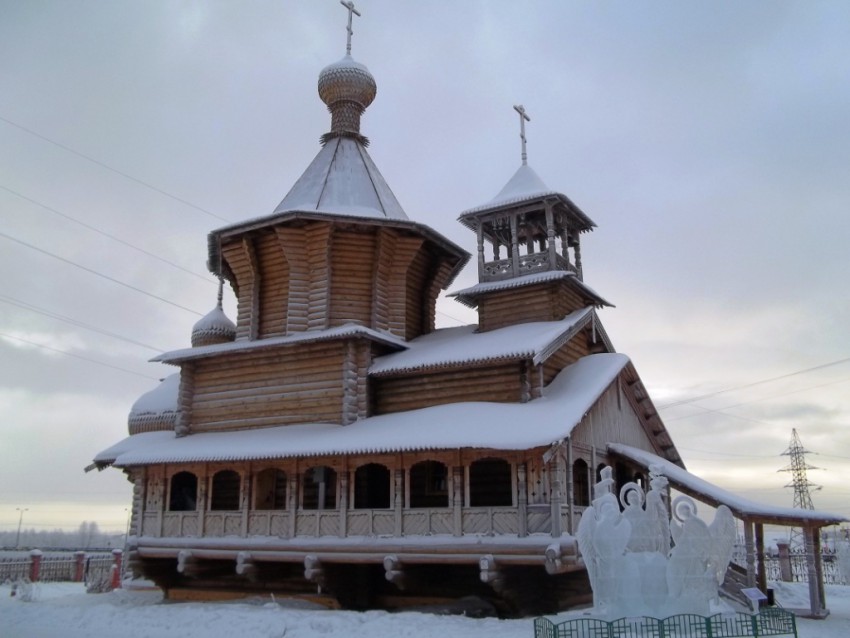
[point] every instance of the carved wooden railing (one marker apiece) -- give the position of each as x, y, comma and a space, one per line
499, 269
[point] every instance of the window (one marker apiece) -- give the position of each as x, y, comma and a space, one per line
183, 493
270, 493
225, 491
490, 483
429, 484
319, 489
372, 487
581, 487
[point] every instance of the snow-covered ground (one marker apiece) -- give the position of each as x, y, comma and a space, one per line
64, 610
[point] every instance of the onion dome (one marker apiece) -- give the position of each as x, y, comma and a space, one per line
214, 327
156, 410
347, 88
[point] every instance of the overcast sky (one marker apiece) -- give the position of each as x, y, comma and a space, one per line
709, 141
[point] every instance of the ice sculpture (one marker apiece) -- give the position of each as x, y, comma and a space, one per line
633, 567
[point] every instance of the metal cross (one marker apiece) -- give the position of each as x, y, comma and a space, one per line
351, 12
523, 118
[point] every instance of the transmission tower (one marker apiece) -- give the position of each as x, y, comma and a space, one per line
801, 484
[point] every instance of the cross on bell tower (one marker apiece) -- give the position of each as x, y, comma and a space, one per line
523, 118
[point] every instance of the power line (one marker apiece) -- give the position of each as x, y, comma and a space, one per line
77, 356
114, 170
74, 322
767, 398
108, 235
99, 274
753, 384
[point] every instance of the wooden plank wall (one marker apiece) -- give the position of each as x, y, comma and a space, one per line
612, 419
417, 278
284, 386
499, 383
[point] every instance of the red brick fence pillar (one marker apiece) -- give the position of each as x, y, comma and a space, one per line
117, 555
79, 566
35, 564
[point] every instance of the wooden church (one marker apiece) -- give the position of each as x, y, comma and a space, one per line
333, 441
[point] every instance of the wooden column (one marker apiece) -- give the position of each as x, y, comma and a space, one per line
245, 498
570, 488
398, 500
343, 503
514, 248
163, 494
815, 599
749, 548
457, 499
202, 508
550, 237
292, 487
522, 499
577, 251
480, 230
761, 572
555, 495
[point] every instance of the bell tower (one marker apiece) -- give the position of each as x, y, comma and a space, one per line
529, 236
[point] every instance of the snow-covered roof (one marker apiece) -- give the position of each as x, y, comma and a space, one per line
454, 346
163, 398
348, 330
564, 403
343, 180
525, 185
714, 495
466, 295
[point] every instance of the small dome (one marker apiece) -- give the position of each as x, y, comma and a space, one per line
347, 88
157, 409
213, 328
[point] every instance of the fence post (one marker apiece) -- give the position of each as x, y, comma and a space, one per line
785, 573
117, 555
79, 566
35, 564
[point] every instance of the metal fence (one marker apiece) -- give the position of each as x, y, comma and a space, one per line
94, 569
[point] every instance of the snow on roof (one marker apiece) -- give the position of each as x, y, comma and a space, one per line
462, 345
525, 280
343, 180
347, 330
525, 184
739, 505
162, 398
564, 403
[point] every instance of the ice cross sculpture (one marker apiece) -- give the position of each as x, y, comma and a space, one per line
633, 567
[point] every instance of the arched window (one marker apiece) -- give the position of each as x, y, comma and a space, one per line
581, 480
270, 493
429, 484
372, 487
319, 489
183, 493
225, 490
490, 483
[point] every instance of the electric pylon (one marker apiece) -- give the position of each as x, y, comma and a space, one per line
800, 482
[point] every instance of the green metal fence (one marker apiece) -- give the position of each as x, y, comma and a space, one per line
772, 621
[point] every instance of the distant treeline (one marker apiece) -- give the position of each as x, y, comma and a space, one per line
88, 537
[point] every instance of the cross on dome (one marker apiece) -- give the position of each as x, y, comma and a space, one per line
523, 118
351, 13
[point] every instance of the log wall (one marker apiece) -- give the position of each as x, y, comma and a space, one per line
569, 353
316, 275
612, 419
279, 387
501, 383
549, 301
